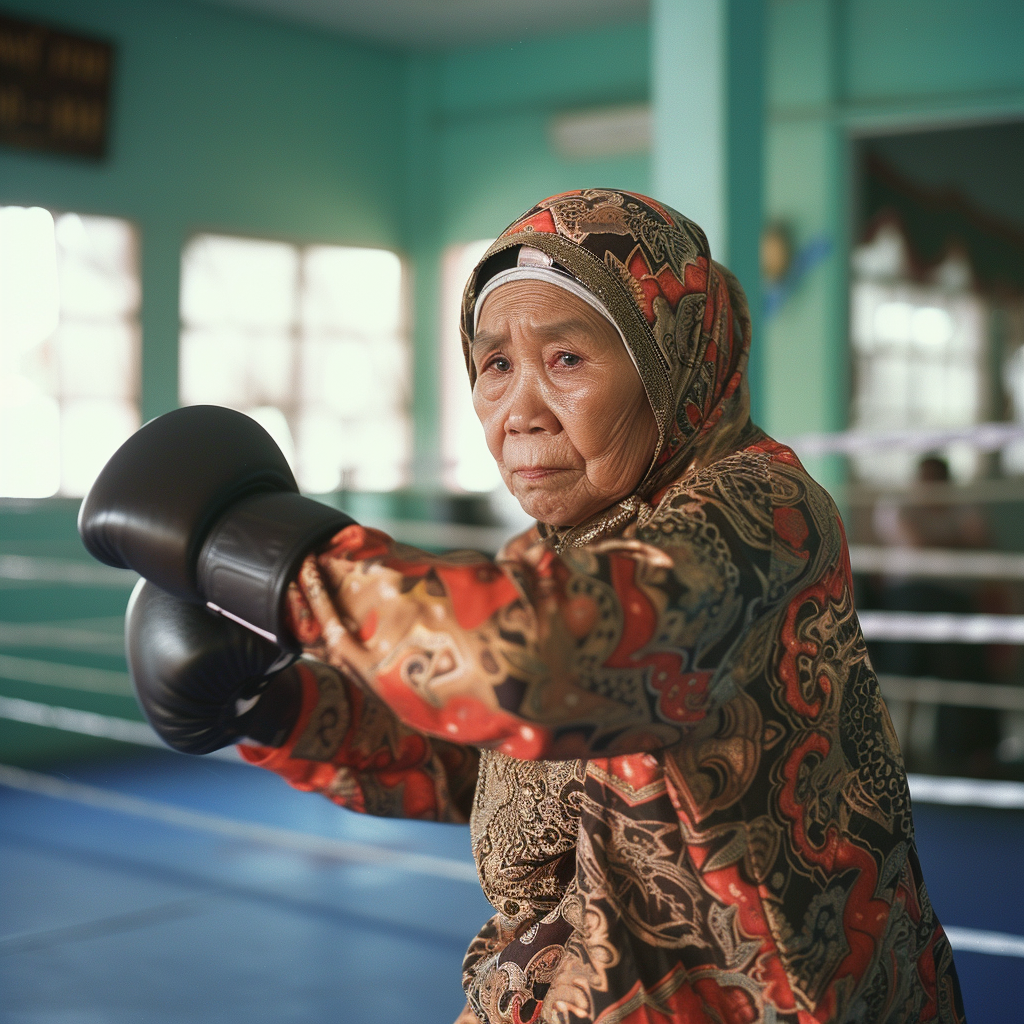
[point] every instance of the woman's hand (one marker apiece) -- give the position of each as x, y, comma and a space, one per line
418, 630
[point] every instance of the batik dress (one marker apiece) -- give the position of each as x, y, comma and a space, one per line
686, 800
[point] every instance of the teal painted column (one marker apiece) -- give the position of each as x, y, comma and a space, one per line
688, 165
422, 226
708, 100
160, 255
806, 368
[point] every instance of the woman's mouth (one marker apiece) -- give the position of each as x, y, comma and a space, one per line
538, 472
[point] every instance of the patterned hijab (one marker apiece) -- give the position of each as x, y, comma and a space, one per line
683, 317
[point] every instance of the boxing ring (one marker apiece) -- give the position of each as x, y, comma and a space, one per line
201, 864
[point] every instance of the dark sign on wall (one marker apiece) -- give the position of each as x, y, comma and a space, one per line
54, 89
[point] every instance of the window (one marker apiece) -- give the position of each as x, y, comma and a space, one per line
920, 356
69, 348
468, 465
311, 343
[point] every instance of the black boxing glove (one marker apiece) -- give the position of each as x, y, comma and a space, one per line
201, 501
203, 681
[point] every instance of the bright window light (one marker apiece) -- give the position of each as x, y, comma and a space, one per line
467, 463
920, 360
29, 299
69, 348
310, 342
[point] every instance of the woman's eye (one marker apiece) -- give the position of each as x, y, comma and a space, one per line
568, 359
501, 364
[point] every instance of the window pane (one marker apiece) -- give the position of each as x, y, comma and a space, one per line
313, 383
91, 431
919, 352
370, 454
28, 279
97, 359
273, 421
238, 282
468, 465
97, 266
379, 453
30, 426
355, 291
339, 376
69, 367
324, 444
236, 367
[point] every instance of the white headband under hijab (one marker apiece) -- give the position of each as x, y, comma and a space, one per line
534, 265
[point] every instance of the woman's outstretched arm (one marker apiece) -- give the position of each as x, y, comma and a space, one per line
615, 647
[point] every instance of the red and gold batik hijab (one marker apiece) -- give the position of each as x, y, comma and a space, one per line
683, 318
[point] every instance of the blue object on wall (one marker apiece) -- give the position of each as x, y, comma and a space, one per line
773, 296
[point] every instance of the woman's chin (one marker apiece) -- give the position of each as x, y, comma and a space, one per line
544, 507
553, 508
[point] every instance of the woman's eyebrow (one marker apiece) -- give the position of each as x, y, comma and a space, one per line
563, 327
484, 341
487, 340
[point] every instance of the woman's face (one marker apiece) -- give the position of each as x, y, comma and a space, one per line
562, 405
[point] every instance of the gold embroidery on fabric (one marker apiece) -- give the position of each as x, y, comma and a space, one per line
522, 827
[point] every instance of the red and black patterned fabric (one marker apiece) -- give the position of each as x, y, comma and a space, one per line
686, 799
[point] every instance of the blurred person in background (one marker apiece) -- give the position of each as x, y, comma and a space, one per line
965, 738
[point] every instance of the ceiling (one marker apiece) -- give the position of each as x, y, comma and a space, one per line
436, 24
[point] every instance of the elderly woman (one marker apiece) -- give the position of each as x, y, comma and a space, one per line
655, 709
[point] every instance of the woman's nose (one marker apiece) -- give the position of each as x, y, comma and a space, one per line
528, 411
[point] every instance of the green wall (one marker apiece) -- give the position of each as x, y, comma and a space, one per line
495, 103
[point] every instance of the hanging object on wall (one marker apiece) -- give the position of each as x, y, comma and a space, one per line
54, 89
782, 269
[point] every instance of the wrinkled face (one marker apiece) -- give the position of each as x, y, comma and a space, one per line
562, 405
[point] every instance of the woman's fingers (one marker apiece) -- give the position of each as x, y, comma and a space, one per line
339, 631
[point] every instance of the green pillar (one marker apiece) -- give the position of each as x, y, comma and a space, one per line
707, 89
806, 368
423, 251
160, 247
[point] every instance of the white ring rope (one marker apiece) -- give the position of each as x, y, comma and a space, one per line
66, 571
956, 792
88, 723
70, 677
924, 690
247, 831
921, 562
924, 788
67, 635
984, 437
942, 627
937, 563
975, 940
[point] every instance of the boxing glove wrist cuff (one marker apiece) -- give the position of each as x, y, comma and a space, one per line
254, 551
272, 718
